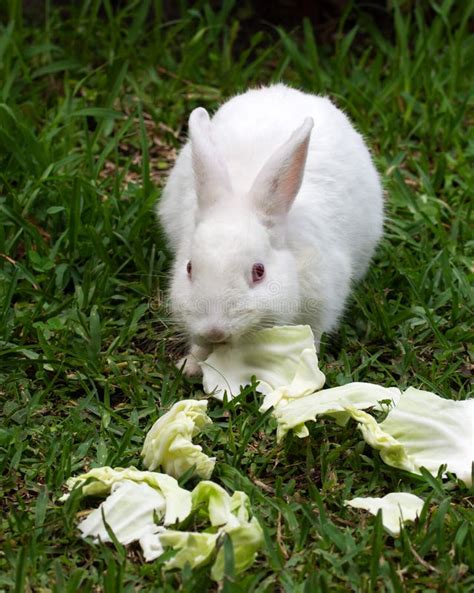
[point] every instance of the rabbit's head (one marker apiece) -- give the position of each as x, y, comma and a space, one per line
237, 273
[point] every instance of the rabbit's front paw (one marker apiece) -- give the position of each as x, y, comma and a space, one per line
191, 366
191, 361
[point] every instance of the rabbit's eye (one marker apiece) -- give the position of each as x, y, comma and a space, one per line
189, 268
258, 272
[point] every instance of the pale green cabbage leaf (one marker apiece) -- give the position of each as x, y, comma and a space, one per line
397, 508
168, 445
192, 548
285, 364
421, 429
129, 511
140, 502
283, 359
293, 413
424, 430
99, 482
247, 540
227, 515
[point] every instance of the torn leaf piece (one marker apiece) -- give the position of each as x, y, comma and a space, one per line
397, 508
216, 504
231, 515
151, 545
391, 451
169, 444
279, 357
292, 414
219, 507
100, 481
193, 548
129, 511
425, 430
227, 515
308, 379
247, 540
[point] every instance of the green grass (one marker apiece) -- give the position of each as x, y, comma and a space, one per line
93, 104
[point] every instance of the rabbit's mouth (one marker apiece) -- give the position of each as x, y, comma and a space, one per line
213, 337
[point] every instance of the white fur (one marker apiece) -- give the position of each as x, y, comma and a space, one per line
256, 184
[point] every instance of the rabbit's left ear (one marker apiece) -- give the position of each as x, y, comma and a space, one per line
210, 173
279, 181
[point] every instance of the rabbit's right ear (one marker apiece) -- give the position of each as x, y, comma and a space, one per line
278, 182
210, 173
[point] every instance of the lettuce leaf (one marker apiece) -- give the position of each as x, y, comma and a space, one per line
247, 540
421, 430
100, 480
397, 508
424, 430
292, 414
214, 502
129, 511
391, 451
193, 548
150, 544
227, 515
168, 444
282, 358
231, 514
136, 504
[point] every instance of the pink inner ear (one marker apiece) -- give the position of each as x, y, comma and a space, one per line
279, 181
288, 183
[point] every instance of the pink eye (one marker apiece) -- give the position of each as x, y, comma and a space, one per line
189, 268
258, 272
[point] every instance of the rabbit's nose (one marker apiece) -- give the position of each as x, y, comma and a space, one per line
215, 335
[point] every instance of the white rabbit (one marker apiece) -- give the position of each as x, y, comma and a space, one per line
271, 219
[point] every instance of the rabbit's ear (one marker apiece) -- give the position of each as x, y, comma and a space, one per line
210, 173
278, 182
